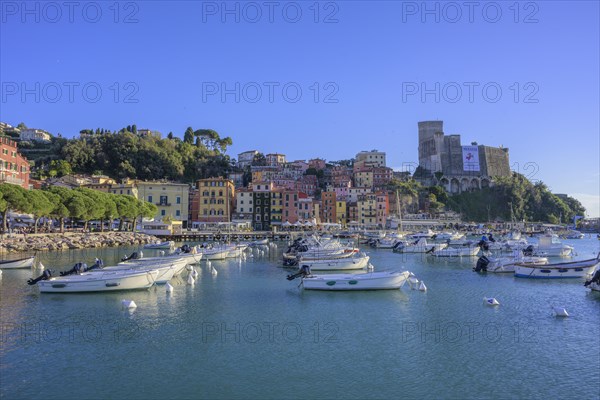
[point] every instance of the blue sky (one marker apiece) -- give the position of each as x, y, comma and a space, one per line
323, 79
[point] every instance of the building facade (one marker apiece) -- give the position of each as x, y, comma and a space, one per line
14, 168
245, 159
444, 161
171, 199
373, 158
34, 135
216, 199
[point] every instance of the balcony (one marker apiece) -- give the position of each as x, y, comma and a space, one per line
163, 204
10, 179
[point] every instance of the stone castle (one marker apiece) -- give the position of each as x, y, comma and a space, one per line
443, 160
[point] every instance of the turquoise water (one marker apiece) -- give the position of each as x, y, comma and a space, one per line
249, 333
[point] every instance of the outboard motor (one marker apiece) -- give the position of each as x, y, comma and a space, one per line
482, 264
134, 256
47, 274
484, 245
77, 269
595, 279
303, 272
528, 251
186, 249
97, 265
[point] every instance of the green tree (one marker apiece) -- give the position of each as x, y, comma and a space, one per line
40, 205
14, 198
188, 136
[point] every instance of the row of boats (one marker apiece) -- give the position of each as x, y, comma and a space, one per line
319, 254
133, 272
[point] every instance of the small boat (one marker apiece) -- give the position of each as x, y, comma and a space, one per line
215, 253
337, 264
260, 242
549, 246
574, 234
19, 263
506, 264
573, 269
98, 281
420, 246
366, 281
467, 251
160, 245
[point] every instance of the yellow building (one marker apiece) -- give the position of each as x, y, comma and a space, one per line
367, 209
276, 207
340, 213
216, 199
171, 199
101, 182
128, 186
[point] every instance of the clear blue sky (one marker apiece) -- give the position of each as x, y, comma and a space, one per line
369, 56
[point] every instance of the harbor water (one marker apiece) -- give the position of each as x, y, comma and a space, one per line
245, 332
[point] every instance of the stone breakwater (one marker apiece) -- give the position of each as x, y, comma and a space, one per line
56, 241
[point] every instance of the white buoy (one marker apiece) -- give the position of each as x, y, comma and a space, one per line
190, 280
214, 271
490, 301
128, 304
561, 312
209, 263
413, 282
194, 272
169, 287
422, 287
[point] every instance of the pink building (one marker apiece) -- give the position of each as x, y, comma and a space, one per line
383, 208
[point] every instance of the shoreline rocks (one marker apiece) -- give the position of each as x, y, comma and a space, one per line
57, 241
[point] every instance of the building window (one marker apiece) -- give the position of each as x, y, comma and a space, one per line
205, 212
149, 199
178, 200
242, 209
163, 212
177, 213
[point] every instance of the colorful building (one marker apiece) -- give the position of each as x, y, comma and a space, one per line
14, 168
171, 199
328, 209
341, 213
243, 204
383, 208
367, 209
290, 207
274, 159
216, 199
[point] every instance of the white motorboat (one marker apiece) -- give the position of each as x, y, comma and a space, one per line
350, 263
420, 246
507, 264
573, 269
574, 235
428, 234
160, 245
18, 263
260, 242
366, 281
445, 236
215, 253
549, 246
385, 243
167, 268
466, 251
99, 281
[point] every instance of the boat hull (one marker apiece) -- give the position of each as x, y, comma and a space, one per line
156, 246
99, 282
20, 263
347, 282
338, 264
457, 252
575, 269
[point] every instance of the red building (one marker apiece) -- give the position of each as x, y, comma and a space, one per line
14, 168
